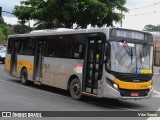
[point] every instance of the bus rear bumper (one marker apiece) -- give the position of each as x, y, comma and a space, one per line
110, 92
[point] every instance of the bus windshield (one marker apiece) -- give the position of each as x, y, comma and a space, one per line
130, 57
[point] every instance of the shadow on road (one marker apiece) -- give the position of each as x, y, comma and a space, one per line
113, 103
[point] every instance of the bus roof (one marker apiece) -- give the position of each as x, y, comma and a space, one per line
56, 32
63, 31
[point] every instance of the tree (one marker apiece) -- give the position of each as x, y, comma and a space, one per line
8, 29
55, 13
2, 36
5, 30
20, 29
153, 28
2, 21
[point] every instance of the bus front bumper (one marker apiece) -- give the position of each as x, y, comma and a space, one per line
110, 92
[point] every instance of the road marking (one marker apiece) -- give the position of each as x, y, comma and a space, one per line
156, 95
156, 92
156, 73
63, 95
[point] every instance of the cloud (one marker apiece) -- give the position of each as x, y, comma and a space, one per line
10, 20
139, 3
131, 3
139, 15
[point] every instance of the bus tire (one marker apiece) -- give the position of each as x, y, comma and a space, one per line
75, 89
24, 77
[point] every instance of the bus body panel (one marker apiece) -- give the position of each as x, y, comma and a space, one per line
27, 62
108, 91
8, 63
133, 86
57, 71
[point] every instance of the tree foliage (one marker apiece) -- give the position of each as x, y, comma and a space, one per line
152, 28
21, 28
5, 30
56, 13
8, 29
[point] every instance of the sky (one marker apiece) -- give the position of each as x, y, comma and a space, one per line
141, 13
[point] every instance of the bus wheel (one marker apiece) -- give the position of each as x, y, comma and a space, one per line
24, 77
75, 89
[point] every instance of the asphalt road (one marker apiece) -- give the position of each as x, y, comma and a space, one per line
17, 97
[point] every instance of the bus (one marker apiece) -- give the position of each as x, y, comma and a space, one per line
101, 62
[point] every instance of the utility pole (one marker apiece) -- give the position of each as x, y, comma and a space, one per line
0, 11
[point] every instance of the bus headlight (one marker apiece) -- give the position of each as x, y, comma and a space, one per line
111, 83
115, 86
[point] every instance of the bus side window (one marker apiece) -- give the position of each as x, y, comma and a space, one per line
50, 47
78, 51
9, 46
25, 46
81, 51
20, 47
64, 47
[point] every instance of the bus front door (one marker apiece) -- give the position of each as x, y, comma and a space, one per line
93, 65
38, 61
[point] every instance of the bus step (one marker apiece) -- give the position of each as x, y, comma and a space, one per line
37, 82
89, 94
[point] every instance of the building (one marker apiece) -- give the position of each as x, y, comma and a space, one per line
156, 37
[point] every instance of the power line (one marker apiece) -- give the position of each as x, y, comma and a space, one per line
7, 12
148, 13
154, 4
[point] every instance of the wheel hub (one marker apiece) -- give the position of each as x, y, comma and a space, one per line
76, 88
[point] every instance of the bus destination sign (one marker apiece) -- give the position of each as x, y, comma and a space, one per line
128, 34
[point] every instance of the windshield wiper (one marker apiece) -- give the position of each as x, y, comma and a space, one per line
128, 49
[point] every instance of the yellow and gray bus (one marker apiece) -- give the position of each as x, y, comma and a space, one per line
100, 62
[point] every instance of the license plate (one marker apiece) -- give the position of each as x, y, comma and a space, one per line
134, 94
